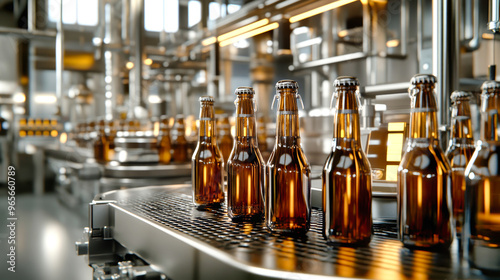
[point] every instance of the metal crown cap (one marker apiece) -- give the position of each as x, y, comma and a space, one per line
460, 95
423, 79
244, 90
490, 85
346, 81
206, 98
287, 84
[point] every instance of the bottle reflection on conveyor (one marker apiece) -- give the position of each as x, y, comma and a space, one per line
288, 174
481, 232
207, 163
347, 182
424, 182
459, 152
245, 166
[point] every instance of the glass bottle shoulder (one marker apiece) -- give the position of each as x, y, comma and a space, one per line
244, 154
424, 156
486, 160
288, 158
206, 151
341, 158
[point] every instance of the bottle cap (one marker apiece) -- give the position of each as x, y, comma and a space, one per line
460, 95
346, 81
423, 79
206, 98
244, 90
287, 84
490, 85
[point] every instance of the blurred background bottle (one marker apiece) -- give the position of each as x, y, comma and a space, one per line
178, 141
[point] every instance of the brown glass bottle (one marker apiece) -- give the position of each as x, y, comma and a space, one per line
207, 164
347, 183
482, 178
459, 152
101, 145
288, 181
245, 166
164, 146
178, 141
424, 182
224, 138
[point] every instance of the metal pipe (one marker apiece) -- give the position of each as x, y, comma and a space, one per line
445, 53
494, 23
26, 34
112, 56
136, 27
471, 28
59, 58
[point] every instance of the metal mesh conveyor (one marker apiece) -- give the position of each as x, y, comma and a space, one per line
162, 225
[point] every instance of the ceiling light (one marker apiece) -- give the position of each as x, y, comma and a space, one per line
243, 29
249, 34
320, 10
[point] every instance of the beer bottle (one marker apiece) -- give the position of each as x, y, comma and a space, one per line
459, 152
164, 143
224, 138
482, 179
179, 143
207, 162
347, 183
101, 147
424, 182
245, 165
288, 181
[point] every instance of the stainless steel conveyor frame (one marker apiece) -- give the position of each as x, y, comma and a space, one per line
162, 226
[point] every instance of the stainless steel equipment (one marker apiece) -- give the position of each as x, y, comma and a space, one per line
162, 227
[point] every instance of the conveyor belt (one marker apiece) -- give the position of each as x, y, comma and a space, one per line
162, 225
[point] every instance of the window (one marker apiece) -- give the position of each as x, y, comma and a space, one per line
80, 12
194, 12
161, 15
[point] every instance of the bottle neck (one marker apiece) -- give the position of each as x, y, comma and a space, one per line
423, 118
461, 125
490, 117
346, 119
245, 117
287, 119
207, 122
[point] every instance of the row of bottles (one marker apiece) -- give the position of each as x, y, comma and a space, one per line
284, 183
435, 188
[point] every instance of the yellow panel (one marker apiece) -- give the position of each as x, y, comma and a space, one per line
397, 126
394, 146
391, 172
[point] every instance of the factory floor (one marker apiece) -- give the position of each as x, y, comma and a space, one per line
45, 233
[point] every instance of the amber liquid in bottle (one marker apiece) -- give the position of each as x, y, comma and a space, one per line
459, 152
164, 146
424, 183
288, 182
347, 183
101, 144
245, 166
482, 200
207, 165
225, 139
179, 142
